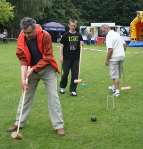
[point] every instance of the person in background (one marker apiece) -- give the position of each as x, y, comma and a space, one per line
70, 46
115, 56
5, 33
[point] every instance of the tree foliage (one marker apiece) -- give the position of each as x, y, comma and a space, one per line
6, 11
121, 12
61, 10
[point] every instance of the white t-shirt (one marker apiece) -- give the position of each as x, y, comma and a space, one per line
114, 41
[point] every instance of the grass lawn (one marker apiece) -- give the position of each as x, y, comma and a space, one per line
121, 128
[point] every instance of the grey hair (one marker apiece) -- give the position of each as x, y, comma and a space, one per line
105, 26
26, 22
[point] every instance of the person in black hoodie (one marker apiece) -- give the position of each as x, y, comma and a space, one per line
70, 46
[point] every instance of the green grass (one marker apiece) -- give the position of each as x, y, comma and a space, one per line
115, 129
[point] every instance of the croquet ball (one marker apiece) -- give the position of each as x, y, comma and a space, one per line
93, 118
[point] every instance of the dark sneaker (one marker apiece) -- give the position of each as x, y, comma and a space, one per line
73, 94
62, 90
117, 93
13, 128
60, 132
112, 88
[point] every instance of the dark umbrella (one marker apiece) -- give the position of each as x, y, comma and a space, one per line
54, 26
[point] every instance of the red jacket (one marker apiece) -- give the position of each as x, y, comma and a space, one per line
44, 46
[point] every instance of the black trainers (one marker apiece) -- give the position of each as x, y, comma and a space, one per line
73, 93
112, 88
13, 128
117, 93
62, 90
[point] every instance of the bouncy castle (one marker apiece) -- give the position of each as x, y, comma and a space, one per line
136, 30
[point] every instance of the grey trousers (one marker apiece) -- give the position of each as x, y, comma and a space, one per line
116, 69
48, 76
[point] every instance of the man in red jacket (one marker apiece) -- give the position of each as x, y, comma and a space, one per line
34, 50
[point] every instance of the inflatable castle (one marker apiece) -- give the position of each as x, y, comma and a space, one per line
136, 30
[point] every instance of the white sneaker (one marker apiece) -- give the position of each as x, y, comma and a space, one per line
112, 88
73, 94
62, 90
117, 93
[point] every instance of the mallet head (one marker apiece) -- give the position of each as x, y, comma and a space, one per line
16, 135
126, 88
77, 81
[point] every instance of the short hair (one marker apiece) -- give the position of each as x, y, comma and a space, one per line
26, 22
73, 21
105, 26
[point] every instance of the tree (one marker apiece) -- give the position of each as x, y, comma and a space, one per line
118, 11
30, 8
6, 11
61, 10
25, 8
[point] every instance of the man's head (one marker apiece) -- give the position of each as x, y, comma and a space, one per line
104, 29
28, 26
72, 25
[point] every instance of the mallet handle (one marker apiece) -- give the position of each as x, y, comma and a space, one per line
80, 57
22, 105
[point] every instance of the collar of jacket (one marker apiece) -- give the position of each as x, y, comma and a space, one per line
21, 43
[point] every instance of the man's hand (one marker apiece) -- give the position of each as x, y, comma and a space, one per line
25, 74
29, 72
